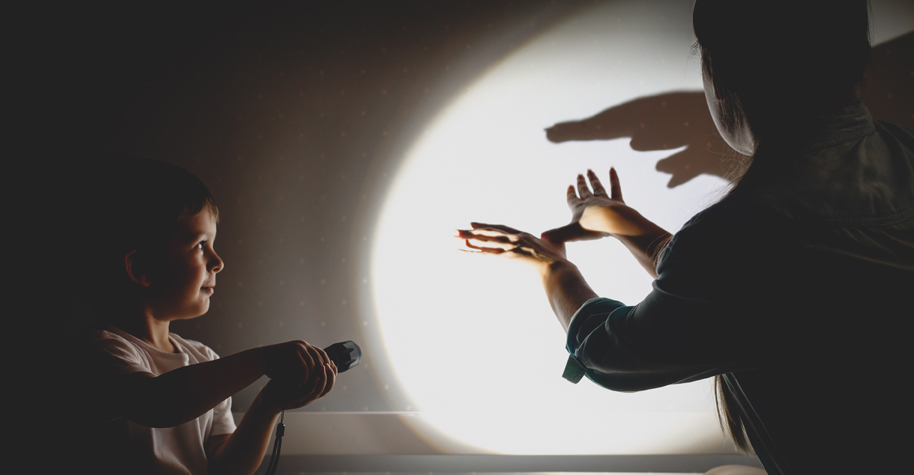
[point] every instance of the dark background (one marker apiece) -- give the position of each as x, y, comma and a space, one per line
295, 115
292, 113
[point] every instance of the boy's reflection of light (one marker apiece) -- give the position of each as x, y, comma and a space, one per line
494, 354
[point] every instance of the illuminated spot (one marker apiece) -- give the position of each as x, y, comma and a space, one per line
487, 137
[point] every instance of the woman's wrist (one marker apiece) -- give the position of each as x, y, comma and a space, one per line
550, 270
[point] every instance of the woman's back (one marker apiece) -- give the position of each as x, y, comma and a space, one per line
816, 262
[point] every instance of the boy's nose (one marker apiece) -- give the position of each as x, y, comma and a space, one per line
217, 263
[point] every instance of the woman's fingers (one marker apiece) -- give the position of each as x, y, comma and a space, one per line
482, 235
595, 183
516, 248
492, 238
571, 197
490, 250
583, 190
614, 188
494, 227
489, 238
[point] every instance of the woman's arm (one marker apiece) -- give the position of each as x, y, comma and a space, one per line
565, 287
720, 302
594, 215
686, 329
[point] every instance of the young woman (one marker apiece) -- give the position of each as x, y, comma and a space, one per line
794, 289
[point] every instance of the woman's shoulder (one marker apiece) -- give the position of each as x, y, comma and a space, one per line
894, 132
733, 232
735, 215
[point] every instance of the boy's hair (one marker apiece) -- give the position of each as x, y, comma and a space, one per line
130, 205
153, 197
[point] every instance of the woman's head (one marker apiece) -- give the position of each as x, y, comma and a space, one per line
770, 65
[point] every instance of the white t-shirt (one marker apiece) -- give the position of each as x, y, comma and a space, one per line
170, 450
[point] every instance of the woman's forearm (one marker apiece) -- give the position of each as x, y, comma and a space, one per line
641, 236
566, 289
647, 247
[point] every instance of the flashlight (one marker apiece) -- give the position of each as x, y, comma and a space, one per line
344, 355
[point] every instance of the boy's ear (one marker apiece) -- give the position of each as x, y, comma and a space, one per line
135, 270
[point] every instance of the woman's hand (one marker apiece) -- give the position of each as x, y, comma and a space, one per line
565, 287
509, 242
596, 214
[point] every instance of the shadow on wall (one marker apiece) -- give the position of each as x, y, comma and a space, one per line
672, 120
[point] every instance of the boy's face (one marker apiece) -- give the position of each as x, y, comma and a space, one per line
189, 277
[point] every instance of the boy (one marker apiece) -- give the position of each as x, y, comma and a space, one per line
157, 403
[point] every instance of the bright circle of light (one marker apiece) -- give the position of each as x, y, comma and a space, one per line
493, 352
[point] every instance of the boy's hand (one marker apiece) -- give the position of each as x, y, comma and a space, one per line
281, 393
293, 360
243, 451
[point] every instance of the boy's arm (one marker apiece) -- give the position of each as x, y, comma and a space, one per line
242, 452
186, 393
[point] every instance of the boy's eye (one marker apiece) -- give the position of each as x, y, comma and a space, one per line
201, 244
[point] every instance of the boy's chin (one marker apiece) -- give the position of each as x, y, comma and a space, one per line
202, 311
195, 312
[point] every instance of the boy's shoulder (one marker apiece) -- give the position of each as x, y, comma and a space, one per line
113, 346
108, 352
194, 347
113, 341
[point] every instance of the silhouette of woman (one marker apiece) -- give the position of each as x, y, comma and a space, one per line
794, 288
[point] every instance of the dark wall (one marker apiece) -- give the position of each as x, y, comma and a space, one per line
295, 115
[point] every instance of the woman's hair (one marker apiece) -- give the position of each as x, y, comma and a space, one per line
779, 63
775, 65
129, 205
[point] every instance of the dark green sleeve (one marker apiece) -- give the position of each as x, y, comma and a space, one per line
696, 323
